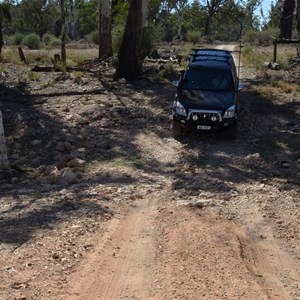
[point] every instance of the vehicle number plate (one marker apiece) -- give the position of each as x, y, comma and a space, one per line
203, 127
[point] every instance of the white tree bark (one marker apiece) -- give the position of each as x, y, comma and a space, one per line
145, 10
105, 43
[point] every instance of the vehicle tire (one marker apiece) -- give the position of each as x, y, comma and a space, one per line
178, 130
232, 132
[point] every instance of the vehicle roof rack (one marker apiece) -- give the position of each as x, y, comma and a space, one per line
211, 52
210, 58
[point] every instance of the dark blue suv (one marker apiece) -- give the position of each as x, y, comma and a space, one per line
207, 93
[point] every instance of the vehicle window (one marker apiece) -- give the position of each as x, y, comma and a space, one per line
208, 80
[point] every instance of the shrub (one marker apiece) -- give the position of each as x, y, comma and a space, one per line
17, 39
93, 37
252, 56
117, 37
150, 39
261, 38
51, 40
75, 56
32, 41
194, 37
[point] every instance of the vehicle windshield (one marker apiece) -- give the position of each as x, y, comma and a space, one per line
208, 80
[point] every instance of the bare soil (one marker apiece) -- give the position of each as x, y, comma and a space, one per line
102, 203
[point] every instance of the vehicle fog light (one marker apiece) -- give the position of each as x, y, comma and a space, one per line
195, 117
214, 118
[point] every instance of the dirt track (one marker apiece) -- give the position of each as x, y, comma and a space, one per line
207, 218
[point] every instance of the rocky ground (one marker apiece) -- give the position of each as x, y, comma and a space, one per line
102, 203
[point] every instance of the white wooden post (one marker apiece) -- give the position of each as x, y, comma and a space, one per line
4, 164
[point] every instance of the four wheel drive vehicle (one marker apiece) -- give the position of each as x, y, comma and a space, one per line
207, 93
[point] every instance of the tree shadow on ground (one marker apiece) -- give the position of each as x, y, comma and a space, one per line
267, 147
103, 129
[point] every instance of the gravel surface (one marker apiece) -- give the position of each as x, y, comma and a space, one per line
102, 203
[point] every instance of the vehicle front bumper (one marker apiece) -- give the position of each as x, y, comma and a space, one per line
204, 122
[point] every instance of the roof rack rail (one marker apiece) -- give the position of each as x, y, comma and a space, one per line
211, 52
211, 49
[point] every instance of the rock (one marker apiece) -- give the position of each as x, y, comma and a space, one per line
252, 156
51, 170
69, 177
75, 163
82, 120
49, 145
60, 147
15, 156
104, 123
36, 143
68, 147
286, 164
63, 147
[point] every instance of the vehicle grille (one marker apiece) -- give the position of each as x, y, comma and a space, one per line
204, 116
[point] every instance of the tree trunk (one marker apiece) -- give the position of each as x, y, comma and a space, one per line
63, 32
207, 28
71, 21
180, 20
286, 20
105, 40
298, 25
129, 63
1, 39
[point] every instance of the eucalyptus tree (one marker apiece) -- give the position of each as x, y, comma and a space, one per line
4, 16
37, 16
63, 31
212, 7
275, 14
129, 61
105, 38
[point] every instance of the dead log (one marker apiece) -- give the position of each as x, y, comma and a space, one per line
42, 69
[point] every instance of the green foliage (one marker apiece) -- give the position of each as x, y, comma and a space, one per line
5, 12
75, 57
119, 12
168, 72
11, 56
150, 39
51, 41
93, 37
253, 56
32, 41
262, 38
86, 18
38, 16
194, 36
17, 39
117, 36
34, 76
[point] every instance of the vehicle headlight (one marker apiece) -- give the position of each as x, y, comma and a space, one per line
179, 109
230, 112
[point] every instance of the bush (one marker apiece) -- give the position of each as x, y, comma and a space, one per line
194, 37
117, 37
253, 56
32, 41
93, 37
51, 41
261, 38
150, 39
17, 39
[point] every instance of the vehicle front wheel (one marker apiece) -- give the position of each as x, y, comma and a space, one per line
232, 132
178, 130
